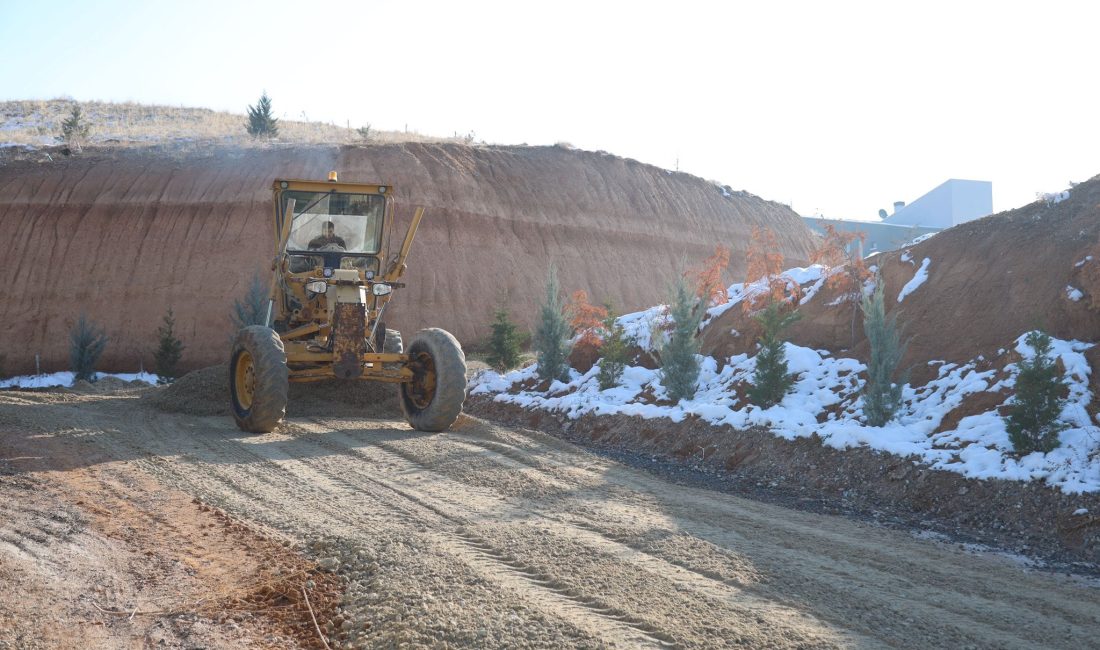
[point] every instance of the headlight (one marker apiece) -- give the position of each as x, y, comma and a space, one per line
381, 289
317, 286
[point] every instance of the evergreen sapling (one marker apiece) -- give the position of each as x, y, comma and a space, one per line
770, 380
679, 364
86, 345
169, 351
881, 396
250, 309
504, 342
261, 122
74, 130
1032, 421
552, 333
613, 353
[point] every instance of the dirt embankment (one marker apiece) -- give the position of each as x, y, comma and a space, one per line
989, 281
125, 234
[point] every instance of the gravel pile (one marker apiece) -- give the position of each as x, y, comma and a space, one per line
206, 392
105, 385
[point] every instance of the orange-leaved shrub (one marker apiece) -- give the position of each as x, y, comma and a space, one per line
585, 318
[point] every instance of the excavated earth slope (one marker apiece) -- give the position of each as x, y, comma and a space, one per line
988, 282
125, 234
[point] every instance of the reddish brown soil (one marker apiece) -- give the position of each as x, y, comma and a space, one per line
104, 556
125, 234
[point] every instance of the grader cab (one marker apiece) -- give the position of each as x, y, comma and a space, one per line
333, 276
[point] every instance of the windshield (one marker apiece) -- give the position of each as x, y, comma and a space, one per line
327, 221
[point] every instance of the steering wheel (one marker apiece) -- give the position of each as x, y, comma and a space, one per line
332, 248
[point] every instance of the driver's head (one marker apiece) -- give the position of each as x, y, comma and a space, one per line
328, 229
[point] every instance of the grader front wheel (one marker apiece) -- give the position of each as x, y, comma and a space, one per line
433, 399
258, 382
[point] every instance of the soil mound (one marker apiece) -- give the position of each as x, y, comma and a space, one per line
206, 392
105, 385
137, 231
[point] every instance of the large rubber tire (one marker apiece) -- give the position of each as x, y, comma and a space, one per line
440, 353
393, 343
258, 382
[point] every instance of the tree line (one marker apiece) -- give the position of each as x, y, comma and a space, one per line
771, 299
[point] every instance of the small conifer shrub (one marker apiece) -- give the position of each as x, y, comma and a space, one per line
881, 395
1032, 420
86, 345
74, 129
770, 380
251, 308
679, 364
261, 121
504, 342
169, 350
552, 333
613, 353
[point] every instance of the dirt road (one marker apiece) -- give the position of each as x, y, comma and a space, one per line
493, 537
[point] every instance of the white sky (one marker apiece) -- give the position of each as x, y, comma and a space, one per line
838, 107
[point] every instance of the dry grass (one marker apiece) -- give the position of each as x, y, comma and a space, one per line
37, 122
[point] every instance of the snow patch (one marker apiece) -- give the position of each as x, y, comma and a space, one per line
1050, 198
1088, 258
794, 277
918, 279
65, 379
977, 447
1074, 294
917, 240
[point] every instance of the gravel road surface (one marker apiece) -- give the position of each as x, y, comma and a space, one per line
494, 537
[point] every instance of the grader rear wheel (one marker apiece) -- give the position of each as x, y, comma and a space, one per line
258, 382
433, 400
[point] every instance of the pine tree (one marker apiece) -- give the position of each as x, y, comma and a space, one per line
881, 396
679, 365
250, 309
770, 380
1032, 421
261, 124
86, 345
74, 130
613, 352
169, 350
551, 333
504, 342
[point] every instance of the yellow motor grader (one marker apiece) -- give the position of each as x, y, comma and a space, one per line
333, 276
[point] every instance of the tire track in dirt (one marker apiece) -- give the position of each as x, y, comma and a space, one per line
598, 618
596, 547
877, 579
478, 505
703, 510
303, 470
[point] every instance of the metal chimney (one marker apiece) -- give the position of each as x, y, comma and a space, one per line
898, 205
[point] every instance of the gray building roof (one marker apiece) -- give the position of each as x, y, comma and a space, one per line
952, 202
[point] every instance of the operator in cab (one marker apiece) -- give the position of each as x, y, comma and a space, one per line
327, 237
